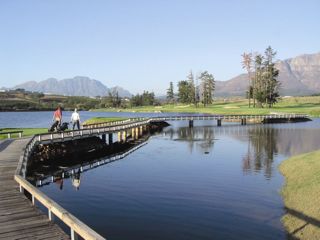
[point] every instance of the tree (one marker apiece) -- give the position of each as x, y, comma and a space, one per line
183, 91
247, 64
191, 88
145, 99
170, 93
208, 86
271, 74
112, 100
258, 90
265, 86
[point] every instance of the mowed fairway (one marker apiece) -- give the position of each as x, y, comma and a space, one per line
303, 105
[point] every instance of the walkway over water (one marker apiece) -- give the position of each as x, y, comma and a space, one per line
101, 129
19, 219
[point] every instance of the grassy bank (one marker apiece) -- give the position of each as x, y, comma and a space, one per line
303, 105
301, 195
103, 119
26, 131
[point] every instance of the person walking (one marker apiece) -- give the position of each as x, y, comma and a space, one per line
57, 118
75, 119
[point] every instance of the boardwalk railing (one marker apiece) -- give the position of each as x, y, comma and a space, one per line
77, 228
10, 133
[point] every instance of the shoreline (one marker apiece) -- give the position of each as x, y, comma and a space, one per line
301, 194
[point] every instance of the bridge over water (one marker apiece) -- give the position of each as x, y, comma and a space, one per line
132, 128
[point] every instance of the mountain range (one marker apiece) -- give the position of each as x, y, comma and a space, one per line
298, 76
77, 86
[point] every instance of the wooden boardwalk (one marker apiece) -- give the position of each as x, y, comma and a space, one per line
19, 219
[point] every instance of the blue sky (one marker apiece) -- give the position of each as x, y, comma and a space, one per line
143, 45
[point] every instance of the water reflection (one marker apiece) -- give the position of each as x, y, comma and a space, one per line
171, 184
264, 142
76, 179
45, 176
198, 138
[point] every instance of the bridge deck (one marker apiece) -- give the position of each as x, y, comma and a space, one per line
19, 219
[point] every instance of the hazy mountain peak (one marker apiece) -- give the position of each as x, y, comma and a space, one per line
298, 76
76, 86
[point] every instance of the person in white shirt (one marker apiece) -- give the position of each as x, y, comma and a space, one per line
75, 119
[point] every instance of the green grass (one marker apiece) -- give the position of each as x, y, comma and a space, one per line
303, 105
103, 119
26, 131
301, 195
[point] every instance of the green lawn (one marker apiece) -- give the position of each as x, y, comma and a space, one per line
103, 119
26, 131
301, 195
303, 105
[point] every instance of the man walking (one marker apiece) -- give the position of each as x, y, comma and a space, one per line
75, 119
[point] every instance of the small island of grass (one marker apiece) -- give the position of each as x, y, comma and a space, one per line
96, 120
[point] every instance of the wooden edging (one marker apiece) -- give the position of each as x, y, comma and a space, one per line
76, 226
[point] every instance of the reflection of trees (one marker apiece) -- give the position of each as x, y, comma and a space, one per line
196, 137
262, 147
265, 142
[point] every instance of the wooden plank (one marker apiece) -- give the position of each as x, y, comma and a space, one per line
19, 219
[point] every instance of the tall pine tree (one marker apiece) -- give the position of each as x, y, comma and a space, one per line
208, 87
170, 93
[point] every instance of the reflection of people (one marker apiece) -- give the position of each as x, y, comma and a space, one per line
75, 119
57, 118
76, 180
60, 183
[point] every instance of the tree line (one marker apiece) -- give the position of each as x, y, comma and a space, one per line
263, 90
191, 93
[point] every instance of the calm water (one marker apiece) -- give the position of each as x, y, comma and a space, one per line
44, 119
203, 183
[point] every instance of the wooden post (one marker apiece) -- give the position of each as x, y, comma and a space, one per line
104, 138
124, 135
74, 235
110, 138
119, 137
140, 131
219, 122
133, 133
137, 133
190, 123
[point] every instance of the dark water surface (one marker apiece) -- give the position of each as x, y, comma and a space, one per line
203, 183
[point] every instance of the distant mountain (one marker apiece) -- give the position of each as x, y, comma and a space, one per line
122, 92
77, 86
298, 76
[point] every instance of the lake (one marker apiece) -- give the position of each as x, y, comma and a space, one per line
206, 182
44, 119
